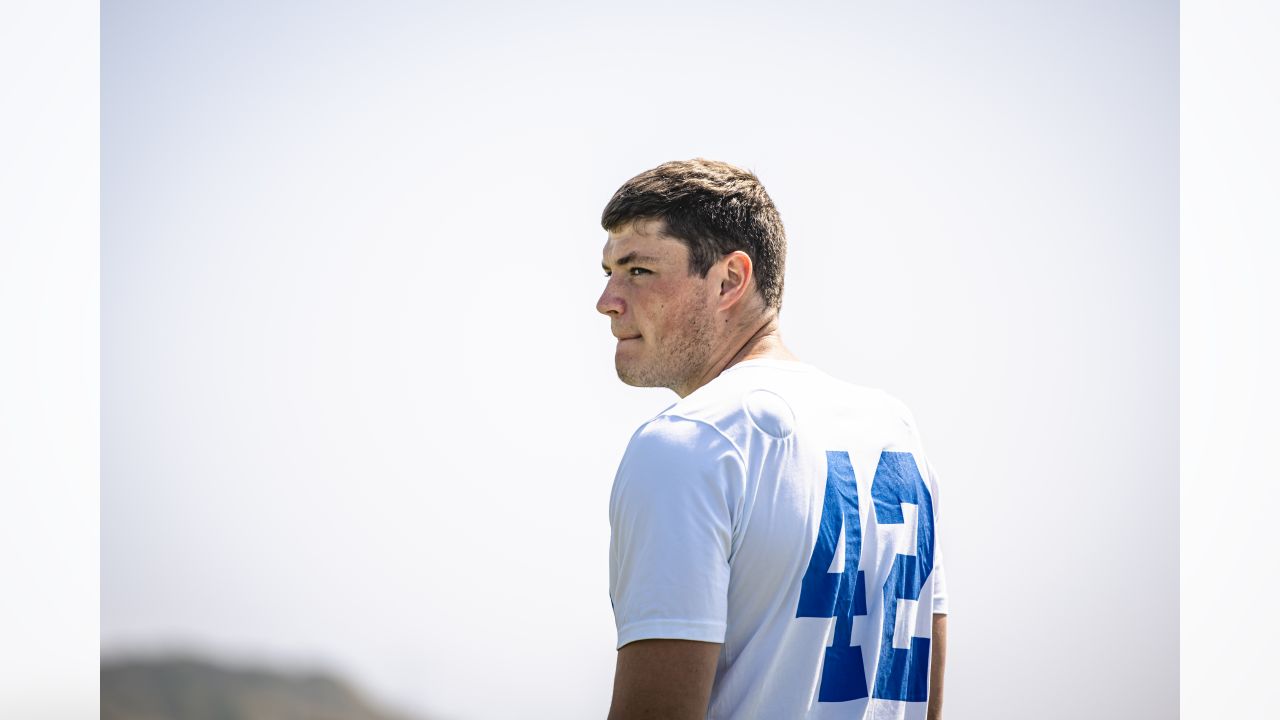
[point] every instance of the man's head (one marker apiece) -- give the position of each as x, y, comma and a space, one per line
695, 258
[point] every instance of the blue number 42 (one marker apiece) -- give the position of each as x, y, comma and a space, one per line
900, 674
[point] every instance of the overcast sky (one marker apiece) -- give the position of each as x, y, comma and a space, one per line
358, 410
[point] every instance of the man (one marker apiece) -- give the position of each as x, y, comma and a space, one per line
773, 547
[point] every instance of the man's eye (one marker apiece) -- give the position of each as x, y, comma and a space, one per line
634, 272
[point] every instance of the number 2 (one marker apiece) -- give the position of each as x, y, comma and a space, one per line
900, 674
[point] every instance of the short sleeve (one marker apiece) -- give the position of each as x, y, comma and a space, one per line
938, 577
671, 518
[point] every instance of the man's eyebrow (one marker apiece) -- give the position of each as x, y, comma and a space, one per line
631, 257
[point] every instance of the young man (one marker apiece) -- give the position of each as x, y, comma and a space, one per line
774, 551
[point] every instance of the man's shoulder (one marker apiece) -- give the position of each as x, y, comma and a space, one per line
699, 426
674, 434
765, 400
668, 455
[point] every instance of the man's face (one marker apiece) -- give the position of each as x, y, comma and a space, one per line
662, 315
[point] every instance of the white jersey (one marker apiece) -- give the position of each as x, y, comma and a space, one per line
793, 518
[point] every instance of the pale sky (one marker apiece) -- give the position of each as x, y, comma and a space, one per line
358, 410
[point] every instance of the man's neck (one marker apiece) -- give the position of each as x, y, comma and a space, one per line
765, 341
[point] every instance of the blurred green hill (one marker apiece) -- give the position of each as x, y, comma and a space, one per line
184, 688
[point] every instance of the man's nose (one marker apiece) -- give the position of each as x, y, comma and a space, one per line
609, 302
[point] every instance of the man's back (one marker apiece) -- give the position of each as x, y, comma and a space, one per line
791, 517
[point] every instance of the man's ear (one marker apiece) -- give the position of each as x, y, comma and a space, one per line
737, 278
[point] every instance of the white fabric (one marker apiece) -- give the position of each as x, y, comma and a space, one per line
715, 513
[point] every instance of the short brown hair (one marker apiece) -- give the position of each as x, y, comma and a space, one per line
712, 207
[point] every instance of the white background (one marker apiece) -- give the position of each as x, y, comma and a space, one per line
358, 409
1226, 350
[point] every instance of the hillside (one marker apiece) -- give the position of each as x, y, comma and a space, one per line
194, 689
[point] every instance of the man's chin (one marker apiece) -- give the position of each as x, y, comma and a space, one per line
628, 379
630, 376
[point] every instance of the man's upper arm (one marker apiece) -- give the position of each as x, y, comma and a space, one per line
671, 520
667, 679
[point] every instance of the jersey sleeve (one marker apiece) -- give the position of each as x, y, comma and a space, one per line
939, 576
672, 516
